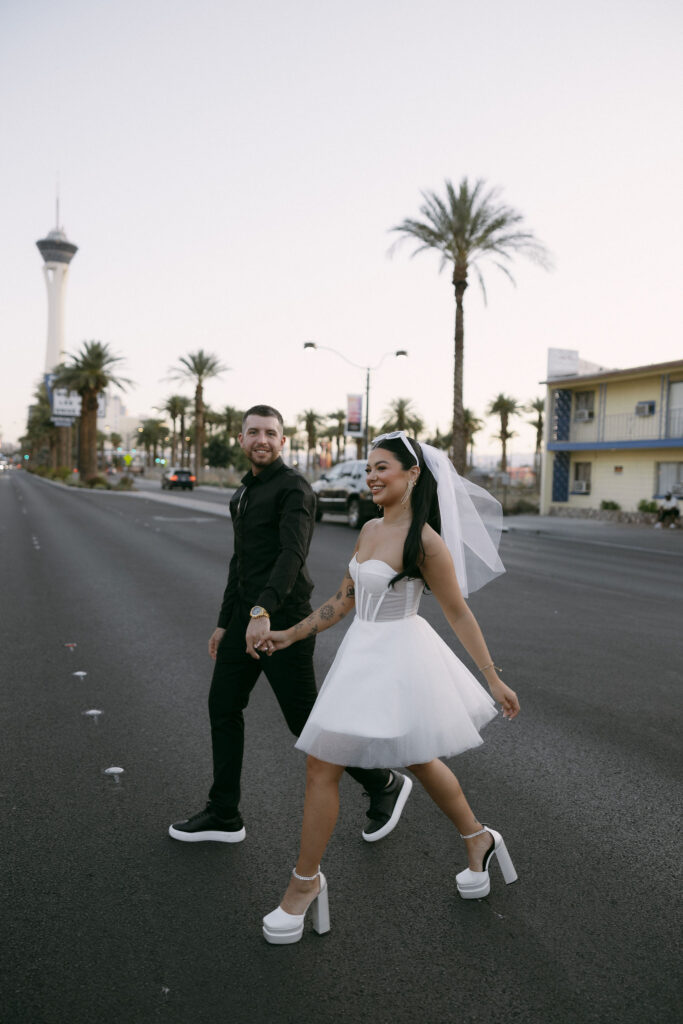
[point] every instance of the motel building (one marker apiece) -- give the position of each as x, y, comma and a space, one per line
610, 435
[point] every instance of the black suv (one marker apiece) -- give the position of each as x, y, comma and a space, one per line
343, 490
178, 477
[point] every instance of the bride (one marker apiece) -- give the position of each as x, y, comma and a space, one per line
396, 693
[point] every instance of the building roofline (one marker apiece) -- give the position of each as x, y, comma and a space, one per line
676, 364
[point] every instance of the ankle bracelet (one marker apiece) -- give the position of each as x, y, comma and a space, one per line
472, 836
305, 878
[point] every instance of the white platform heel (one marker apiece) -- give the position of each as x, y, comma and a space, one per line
281, 928
474, 885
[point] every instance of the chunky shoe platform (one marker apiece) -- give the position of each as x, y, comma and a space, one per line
281, 928
474, 885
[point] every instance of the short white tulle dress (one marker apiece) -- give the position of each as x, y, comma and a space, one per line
396, 694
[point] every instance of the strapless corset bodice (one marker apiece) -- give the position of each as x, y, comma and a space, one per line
376, 601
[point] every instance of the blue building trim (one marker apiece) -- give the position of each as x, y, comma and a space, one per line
596, 446
561, 477
561, 414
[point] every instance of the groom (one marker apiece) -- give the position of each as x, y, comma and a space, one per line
273, 514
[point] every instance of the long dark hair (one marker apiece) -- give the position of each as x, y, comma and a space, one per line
424, 505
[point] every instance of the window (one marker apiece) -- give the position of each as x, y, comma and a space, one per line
581, 483
670, 478
584, 406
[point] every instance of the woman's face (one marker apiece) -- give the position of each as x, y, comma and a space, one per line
386, 478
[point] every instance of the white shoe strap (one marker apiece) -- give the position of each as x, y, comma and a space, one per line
472, 836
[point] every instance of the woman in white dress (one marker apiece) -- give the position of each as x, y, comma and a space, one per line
396, 693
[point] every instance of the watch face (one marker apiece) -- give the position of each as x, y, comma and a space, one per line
256, 611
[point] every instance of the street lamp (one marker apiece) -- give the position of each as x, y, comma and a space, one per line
401, 352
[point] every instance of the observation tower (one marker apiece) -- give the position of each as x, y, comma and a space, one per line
57, 252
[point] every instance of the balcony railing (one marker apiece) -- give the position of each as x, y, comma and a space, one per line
626, 426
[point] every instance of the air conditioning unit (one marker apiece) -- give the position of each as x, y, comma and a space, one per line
581, 487
645, 408
582, 415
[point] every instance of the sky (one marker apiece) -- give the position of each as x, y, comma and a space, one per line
231, 171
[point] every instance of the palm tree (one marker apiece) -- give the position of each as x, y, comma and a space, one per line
232, 421
90, 372
537, 405
402, 416
472, 426
41, 438
311, 421
338, 419
198, 367
175, 407
470, 225
504, 407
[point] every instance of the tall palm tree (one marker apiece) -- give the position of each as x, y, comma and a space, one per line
198, 367
40, 441
504, 406
175, 407
470, 225
90, 372
537, 405
232, 421
472, 426
311, 421
338, 419
402, 416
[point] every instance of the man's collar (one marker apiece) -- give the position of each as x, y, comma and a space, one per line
251, 478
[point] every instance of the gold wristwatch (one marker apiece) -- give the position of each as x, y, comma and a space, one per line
257, 612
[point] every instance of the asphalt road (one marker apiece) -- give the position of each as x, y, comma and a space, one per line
109, 920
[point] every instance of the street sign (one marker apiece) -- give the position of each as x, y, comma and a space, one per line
62, 421
66, 403
128, 459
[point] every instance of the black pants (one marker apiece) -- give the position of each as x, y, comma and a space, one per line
290, 674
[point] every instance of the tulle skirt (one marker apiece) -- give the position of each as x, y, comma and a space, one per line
396, 694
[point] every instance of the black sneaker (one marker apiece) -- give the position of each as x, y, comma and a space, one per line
206, 826
386, 808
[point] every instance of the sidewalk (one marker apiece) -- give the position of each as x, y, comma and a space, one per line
597, 531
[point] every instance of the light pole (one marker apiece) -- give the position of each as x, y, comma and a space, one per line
398, 353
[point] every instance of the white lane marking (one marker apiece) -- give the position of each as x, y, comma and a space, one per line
79, 675
183, 519
35, 542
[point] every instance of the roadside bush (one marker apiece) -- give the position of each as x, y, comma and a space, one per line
124, 484
647, 506
62, 473
97, 481
520, 507
611, 506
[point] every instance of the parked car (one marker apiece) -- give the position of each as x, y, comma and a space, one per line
178, 477
342, 490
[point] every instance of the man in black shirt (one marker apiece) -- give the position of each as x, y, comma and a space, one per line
273, 514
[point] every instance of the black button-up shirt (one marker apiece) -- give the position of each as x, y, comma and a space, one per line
273, 515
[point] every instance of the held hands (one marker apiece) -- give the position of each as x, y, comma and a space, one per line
506, 697
257, 631
275, 640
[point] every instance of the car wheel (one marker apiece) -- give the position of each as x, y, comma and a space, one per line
318, 512
353, 516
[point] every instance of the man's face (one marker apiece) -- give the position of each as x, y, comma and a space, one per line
261, 440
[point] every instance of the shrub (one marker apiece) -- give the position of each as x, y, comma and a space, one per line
97, 481
612, 506
124, 484
647, 506
520, 507
61, 473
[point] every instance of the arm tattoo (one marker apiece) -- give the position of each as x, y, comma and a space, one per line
326, 612
351, 590
338, 596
